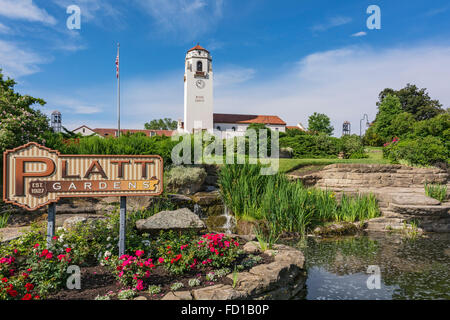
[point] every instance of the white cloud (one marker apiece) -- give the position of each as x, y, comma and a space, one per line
344, 84
5, 29
17, 61
332, 23
232, 75
26, 10
359, 34
92, 10
186, 19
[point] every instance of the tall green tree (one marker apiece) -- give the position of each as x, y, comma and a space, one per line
414, 101
388, 110
320, 123
161, 124
20, 123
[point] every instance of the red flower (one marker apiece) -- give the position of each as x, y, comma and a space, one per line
5, 280
27, 297
12, 293
29, 286
68, 250
36, 245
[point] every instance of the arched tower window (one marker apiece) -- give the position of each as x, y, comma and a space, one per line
199, 66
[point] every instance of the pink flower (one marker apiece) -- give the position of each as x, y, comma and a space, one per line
139, 253
161, 260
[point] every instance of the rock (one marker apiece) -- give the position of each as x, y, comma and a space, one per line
139, 203
217, 292
140, 298
9, 234
215, 223
73, 221
180, 200
181, 219
251, 247
70, 221
207, 198
414, 199
337, 229
178, 295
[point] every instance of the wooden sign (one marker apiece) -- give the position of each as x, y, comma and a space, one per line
35, 176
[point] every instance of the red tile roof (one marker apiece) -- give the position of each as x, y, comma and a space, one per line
247, 119
293, 128
112, 132
198, 47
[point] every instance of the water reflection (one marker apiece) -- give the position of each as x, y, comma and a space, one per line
410, 269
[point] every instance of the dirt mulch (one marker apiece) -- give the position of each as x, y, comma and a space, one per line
98, 281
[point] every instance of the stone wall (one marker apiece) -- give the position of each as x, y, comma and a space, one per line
399, 190
282, 279
377, 175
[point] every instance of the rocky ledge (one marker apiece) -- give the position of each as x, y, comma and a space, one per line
282, 279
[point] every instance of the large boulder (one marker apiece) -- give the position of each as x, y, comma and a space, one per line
180, 220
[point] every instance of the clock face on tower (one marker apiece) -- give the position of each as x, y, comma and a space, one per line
200, 84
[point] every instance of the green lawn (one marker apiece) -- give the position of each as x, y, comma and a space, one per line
375, 157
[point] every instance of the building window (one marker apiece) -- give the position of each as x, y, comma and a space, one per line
199, 66
218, 128
84, 130
234, 128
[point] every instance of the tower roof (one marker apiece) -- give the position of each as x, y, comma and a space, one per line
198, 47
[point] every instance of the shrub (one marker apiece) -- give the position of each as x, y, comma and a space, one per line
270, 199
436, 191
421, 151
214, 250
311, 146
126, 294
154, 289
131, 270
34, 275
182, 178
195, 282
352, 147
176, 286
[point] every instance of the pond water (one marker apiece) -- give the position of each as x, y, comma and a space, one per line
409, 269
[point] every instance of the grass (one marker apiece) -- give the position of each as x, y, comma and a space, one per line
4, 220
286, 206
436, 191
287, 165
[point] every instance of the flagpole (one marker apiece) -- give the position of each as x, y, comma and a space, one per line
118, 90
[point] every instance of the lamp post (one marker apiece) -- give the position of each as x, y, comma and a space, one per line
365, 117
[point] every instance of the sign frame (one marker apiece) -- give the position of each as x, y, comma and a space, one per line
6, 175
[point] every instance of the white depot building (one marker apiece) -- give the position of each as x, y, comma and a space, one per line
199, 102
199, 106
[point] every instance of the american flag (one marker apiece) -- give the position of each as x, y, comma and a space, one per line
117, 66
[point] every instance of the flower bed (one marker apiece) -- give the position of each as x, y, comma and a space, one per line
152, 266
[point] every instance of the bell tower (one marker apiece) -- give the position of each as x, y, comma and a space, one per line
198, 90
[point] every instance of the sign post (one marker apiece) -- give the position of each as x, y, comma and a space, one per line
123, 225
51, 223
35, 176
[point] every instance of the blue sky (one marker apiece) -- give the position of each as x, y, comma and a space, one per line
288, 57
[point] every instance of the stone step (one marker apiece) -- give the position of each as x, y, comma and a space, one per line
420, 210
390, 214
414, 199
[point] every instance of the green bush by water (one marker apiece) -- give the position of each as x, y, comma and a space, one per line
287, 206
436, 191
